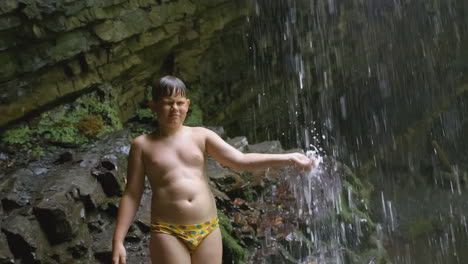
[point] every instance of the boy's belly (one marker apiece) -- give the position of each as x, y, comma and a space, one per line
186, 201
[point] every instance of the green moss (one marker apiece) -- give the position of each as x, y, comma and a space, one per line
148, 96
195, 116
37, 152
105, 109
232, 250
72, 124
345, 212
224, 221
230, 244
248, 194
143, 114
87, 119
20, 135
67, 134
348, 214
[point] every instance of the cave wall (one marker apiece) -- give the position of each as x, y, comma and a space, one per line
52, 51
355, 68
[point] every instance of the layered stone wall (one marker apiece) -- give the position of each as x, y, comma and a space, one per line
55, 50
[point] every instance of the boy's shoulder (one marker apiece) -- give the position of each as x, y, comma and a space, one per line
197, 129
139, 140
201, 131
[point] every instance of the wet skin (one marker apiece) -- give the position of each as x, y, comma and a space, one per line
173, 158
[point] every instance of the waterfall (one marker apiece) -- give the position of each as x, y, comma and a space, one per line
381, 87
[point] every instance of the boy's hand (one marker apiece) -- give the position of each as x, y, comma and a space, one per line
119, 255
303, 162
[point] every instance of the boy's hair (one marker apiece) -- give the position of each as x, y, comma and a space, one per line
168, 86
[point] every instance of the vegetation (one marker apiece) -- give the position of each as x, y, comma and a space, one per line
230, 245
68, 125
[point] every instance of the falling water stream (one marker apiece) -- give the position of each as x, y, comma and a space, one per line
380, 86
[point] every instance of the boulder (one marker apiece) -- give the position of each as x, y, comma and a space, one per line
214, 170
25, 238
79, 247
19, 188
7, 6
266, 147
90, 192
102, 244
219, 195
240, 143
218, 130
60, 216
225, 179
108, 174
9, 21
5, 254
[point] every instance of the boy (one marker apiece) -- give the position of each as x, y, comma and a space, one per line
183, 209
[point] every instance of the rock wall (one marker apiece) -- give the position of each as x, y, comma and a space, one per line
53, 50
341, 63
62, 208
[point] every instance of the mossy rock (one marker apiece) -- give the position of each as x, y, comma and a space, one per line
69, 125
232, 251
20, 135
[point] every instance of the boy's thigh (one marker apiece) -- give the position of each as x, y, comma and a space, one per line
168, 249
210, 250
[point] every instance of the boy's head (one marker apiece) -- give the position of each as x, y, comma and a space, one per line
169, 101
168, 86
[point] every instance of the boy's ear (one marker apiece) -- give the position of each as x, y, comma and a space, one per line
188, 102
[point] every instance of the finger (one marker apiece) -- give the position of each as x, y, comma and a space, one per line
117, 259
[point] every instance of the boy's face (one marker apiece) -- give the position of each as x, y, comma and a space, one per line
171, 110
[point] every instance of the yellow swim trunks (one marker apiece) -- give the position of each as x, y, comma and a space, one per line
191, 235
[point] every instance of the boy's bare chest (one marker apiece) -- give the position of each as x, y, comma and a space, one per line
163, 157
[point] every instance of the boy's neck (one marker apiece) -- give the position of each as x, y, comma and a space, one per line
168, 131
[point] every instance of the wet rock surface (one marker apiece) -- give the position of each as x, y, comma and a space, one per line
65, 212
5, 254
56, 210
51, 50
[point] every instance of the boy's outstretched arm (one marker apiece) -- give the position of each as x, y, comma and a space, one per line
231, 157
129, 202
